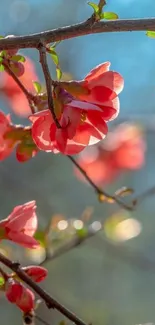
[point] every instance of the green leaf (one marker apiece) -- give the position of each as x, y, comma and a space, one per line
150, 33
59, 73
40, 236
94, 6
3, 53
2, 68
109, 15
18, 58
1, 36
54, 56
2, 281
37, 86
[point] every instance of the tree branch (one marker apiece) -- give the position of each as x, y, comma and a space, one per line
73, 243
48, 80
101, 4
84, 28
99, 191
133, 258
50, 302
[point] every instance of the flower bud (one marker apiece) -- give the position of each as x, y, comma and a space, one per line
19, 295
36, 273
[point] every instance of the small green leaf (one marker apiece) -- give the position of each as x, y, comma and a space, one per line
40, 236
2, 281
18, 58
109, 15
37, 86
59, 73
1, 59
3, 53
2, 68
94, 6
54, 56
150, 33
1, 36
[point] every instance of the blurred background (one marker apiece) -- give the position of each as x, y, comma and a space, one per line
96, 281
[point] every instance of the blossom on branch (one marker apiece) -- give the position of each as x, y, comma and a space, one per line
15, 135
82, 108
18, 294
36, 273
20, 225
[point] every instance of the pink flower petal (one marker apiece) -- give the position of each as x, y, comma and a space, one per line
110, 79
23, 239
97, 71
83, 105
43, 113
20, 209
98, 122
71, 117
41, 132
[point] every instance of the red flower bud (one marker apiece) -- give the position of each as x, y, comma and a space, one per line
36, 273
18, 294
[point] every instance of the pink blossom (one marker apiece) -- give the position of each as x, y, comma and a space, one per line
21, 225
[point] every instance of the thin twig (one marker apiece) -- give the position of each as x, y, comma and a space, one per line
147, 193
101, 4
48, 80
81, 29
132, 258
30, 97
99, 191
50, 301
75, 242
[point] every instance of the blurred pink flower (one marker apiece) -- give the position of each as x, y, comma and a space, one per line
21, 225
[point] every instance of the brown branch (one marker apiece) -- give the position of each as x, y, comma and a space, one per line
101, 4
48, 80
84, 28
99, 191
50, 301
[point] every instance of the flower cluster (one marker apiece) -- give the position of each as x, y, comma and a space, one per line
20, 227
17, 293
123, 149
83, 109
